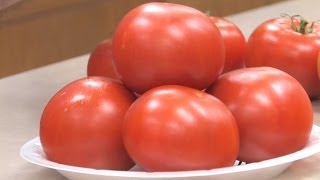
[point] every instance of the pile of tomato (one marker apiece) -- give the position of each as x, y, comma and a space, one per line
177, 90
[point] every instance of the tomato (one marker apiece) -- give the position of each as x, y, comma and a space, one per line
81, 124
175, 128
272, 110
162, 43
275, 43
318, 68
234, 42
100, 61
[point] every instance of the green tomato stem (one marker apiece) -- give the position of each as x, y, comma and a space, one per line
302, 25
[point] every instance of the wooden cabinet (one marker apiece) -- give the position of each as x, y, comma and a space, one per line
34, 33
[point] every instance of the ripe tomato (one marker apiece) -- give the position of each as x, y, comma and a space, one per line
234, 42
174, 128
319, 65
100, 61
272, 110
81, 124
161, 43
275, 43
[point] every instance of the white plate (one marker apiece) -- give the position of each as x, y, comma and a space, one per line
32, 152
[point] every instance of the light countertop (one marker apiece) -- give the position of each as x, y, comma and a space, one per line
23, 97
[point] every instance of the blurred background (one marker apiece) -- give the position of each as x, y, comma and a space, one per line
34, 33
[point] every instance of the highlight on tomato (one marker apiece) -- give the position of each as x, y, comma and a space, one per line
177, 128
81, 124
163, 43
291, 44
272, 110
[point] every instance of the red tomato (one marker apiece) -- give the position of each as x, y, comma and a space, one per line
319, 65
272, 110
275, 43
174, 128
100, 61
81, 124
161, 43
234, 42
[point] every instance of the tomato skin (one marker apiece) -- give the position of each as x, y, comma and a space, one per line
234, 42
318, 68
275, 44
100, 61
174, 128
273, 111
81, 124
162, 43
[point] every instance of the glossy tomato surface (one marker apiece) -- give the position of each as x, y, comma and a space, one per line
274, 43
81, 124
175, 128
234, 42
272, 110
162, 43
100, 61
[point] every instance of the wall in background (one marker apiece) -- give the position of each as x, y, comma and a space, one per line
34, 33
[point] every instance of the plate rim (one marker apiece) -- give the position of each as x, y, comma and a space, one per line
311, 150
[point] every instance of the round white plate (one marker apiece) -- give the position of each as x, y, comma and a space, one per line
32, 152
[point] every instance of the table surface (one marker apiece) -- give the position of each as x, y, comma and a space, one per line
23, 97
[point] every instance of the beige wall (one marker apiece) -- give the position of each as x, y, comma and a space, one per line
34, 33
